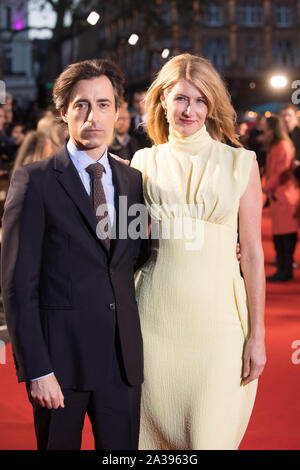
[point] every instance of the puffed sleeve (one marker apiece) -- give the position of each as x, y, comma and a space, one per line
243, 165
138, 160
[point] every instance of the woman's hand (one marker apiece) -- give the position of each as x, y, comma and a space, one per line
254, 359
119, 159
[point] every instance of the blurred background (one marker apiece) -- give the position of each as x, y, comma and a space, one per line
248, 41
255, 45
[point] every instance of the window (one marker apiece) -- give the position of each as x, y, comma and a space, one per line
251, 62
285, 52
250, 42
142, 61
216, 50
166, 12
283, 16
8, 18
250, 15
214, 16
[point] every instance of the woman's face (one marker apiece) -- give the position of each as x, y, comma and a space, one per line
186, 107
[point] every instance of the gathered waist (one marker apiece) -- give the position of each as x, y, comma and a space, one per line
186, 241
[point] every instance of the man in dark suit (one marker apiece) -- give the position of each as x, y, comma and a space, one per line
68, 287
124, 145
138, 121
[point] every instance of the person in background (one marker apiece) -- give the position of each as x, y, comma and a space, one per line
53, 130
283, 196
138, 127
7, 154
35, 146
17, 133
243, 133
289, 116
256, 142
124, 145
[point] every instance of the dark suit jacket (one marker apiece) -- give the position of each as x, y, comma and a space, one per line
64, 295
140, 134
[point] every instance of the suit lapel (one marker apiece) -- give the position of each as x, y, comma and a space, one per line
69, 178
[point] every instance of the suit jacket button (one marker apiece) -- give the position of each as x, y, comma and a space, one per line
112, 306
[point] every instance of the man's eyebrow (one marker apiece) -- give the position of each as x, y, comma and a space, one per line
85, 100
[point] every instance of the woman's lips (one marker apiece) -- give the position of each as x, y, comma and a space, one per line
187, 121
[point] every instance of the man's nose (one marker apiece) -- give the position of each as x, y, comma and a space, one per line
93, 114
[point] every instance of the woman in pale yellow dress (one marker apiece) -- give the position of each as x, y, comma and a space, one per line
202, 322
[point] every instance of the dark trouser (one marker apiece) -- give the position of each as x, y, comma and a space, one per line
285, 246
114, 412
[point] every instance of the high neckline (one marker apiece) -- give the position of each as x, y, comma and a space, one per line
189, 144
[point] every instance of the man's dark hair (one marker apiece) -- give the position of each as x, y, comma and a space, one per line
289, 106
86, 70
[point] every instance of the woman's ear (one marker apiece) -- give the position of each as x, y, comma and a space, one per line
163, 101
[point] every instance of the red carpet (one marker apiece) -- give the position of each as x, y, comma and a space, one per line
275, 420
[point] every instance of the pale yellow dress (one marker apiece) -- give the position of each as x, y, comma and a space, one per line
191, 296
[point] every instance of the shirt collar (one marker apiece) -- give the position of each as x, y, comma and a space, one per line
81, 160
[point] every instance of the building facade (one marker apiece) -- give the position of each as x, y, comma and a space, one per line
16, 65
246, 40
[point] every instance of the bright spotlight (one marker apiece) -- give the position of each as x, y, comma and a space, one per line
93, 18
165, 53
278, 81
133, 39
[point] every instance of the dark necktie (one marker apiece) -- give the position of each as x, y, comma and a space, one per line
95, 171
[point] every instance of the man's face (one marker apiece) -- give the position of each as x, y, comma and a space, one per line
2, 119
139, 102
17, 134
91, 114
123, 123
290, 119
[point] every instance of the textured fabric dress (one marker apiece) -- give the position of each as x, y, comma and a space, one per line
191, 297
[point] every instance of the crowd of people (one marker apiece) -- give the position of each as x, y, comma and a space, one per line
276, 142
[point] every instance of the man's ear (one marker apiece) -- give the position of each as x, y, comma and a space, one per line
117, 114
63, 115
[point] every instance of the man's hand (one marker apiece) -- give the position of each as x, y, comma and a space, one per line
47, 392
238, 252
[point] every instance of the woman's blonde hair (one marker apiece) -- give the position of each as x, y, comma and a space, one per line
221, 117
31, 149
52, 128
39, 144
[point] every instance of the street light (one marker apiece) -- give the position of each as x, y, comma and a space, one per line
93, 18
165, 53
278, 81
133, 39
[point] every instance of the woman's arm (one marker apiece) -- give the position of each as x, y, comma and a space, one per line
252, 265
